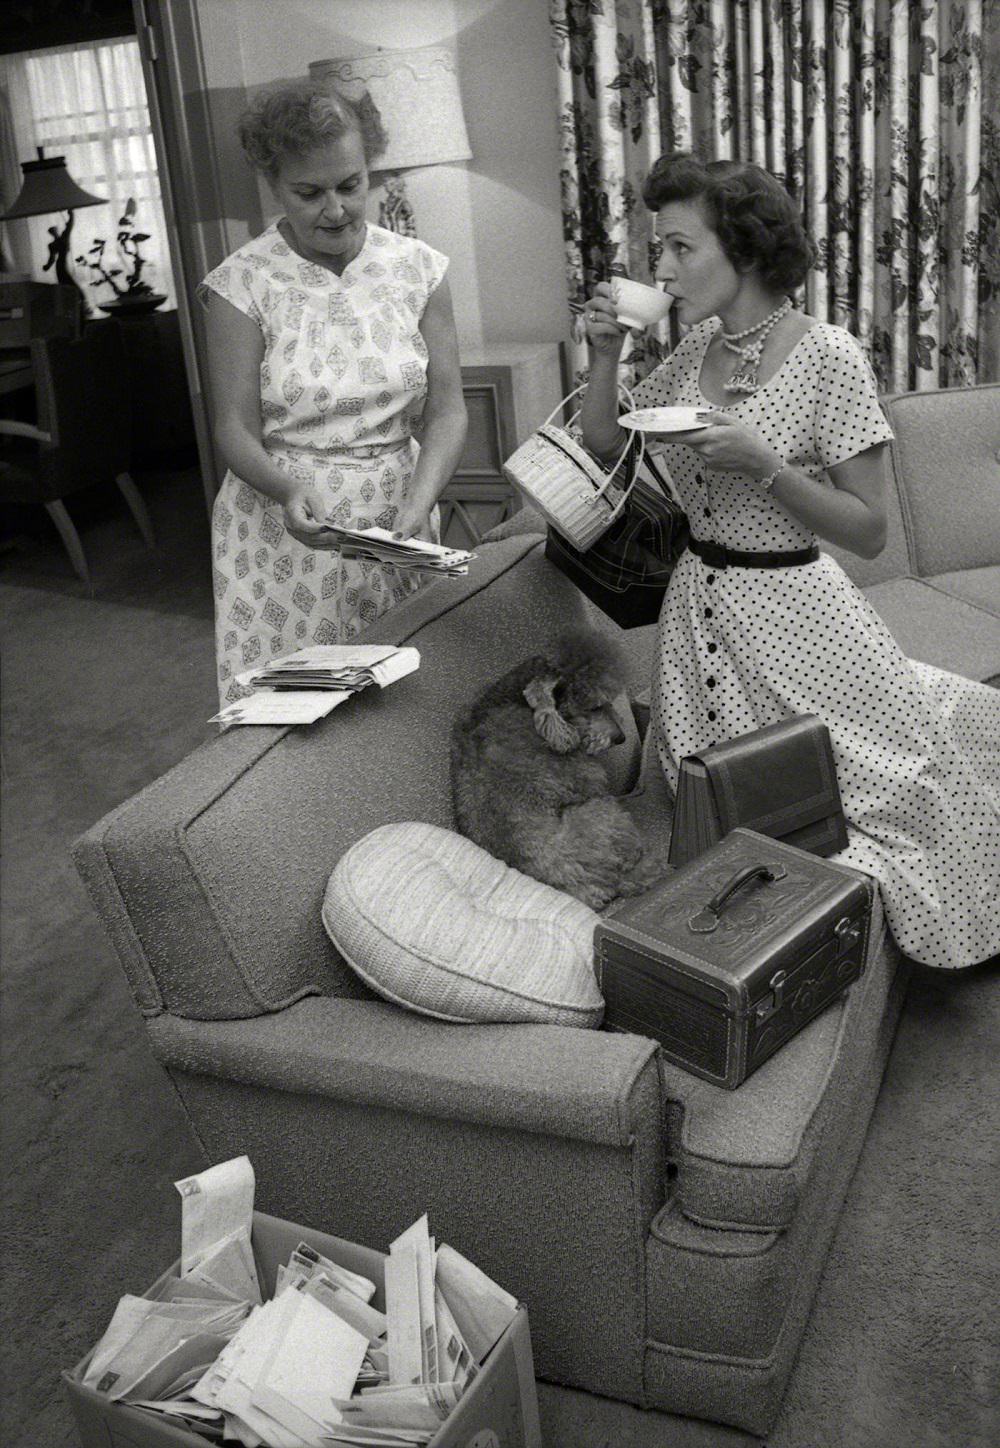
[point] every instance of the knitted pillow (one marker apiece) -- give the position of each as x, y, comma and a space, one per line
432, 922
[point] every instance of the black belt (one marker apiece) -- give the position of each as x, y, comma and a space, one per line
719, 556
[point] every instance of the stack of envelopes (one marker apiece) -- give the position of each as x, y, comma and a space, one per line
384, 547
317, 1364
304, 686
334, 666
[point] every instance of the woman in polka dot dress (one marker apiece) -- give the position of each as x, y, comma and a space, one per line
329, 339
765, 626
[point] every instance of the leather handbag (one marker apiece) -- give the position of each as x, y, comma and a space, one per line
779, 781
626, 572
576, 494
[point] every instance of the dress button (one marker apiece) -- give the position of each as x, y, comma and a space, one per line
710, 578
708, 613
712, 648
710, 682
712, 715
707, 512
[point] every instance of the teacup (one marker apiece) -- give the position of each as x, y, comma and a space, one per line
639, 305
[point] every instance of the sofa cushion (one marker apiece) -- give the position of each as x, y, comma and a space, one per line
980, 586
525, 520
431, 921
938, 628
622, 761
947, 455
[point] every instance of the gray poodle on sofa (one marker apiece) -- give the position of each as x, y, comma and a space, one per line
527, 781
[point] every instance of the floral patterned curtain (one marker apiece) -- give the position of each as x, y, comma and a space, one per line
875, 113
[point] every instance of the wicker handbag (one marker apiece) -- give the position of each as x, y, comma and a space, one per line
575, 493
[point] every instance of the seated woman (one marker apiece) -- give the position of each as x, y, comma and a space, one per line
759, 625
329, 340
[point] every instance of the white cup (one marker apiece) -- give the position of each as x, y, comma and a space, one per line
639, 305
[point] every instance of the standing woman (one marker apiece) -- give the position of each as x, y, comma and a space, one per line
329, 341
759, 625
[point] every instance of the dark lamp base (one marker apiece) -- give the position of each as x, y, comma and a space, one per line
133, 306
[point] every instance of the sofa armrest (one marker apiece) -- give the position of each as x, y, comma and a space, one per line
555, 1080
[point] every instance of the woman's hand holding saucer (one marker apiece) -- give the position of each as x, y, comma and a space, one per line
727, 444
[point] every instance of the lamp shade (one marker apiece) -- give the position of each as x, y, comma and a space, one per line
48, 186
417, 96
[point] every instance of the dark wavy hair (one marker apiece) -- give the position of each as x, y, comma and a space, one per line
757, 222
293, 120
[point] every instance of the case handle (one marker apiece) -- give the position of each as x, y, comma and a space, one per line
707, 918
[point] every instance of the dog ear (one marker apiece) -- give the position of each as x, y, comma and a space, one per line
549, 723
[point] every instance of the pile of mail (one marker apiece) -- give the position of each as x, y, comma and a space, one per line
317, 1363
384, 547
308, 684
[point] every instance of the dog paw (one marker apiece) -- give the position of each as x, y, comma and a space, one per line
596, 897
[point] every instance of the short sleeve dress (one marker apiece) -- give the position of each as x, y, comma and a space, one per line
917, 750
342, 382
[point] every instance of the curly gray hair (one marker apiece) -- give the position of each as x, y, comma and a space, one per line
292, 120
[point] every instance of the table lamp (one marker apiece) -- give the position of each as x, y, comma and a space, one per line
416, 94
48, 186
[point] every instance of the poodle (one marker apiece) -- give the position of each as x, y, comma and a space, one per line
527, 781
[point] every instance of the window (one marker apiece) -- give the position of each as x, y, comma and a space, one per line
88, 103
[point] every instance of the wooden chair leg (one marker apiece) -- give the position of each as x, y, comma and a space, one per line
71, 540
137, 508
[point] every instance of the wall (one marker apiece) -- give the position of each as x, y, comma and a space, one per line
497, 216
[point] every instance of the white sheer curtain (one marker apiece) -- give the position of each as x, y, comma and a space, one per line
88, 103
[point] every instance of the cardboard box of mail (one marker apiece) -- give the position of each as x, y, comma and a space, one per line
498, 1410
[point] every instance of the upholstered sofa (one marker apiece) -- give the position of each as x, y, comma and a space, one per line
668, 1236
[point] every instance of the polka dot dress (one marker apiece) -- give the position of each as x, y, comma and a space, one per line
917, 749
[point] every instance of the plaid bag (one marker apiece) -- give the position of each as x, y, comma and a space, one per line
626, 572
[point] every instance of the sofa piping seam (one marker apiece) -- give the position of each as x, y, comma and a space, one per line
955, 598
148, 1012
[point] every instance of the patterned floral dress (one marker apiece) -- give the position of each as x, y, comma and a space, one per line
917, 750
342, 381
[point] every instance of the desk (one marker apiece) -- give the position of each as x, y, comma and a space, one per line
162, 420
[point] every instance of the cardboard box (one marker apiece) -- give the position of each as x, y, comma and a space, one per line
499, 1409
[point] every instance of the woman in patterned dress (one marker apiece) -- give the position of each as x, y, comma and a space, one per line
329, 340
766, 626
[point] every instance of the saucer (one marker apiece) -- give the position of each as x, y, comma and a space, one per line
663, 419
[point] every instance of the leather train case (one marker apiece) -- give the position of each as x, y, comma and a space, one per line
727, 958
779, 781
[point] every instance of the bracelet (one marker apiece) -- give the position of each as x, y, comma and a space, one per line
768, 483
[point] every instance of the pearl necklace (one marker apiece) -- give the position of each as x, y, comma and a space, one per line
745, 378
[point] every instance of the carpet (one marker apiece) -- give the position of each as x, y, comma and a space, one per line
100, 696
